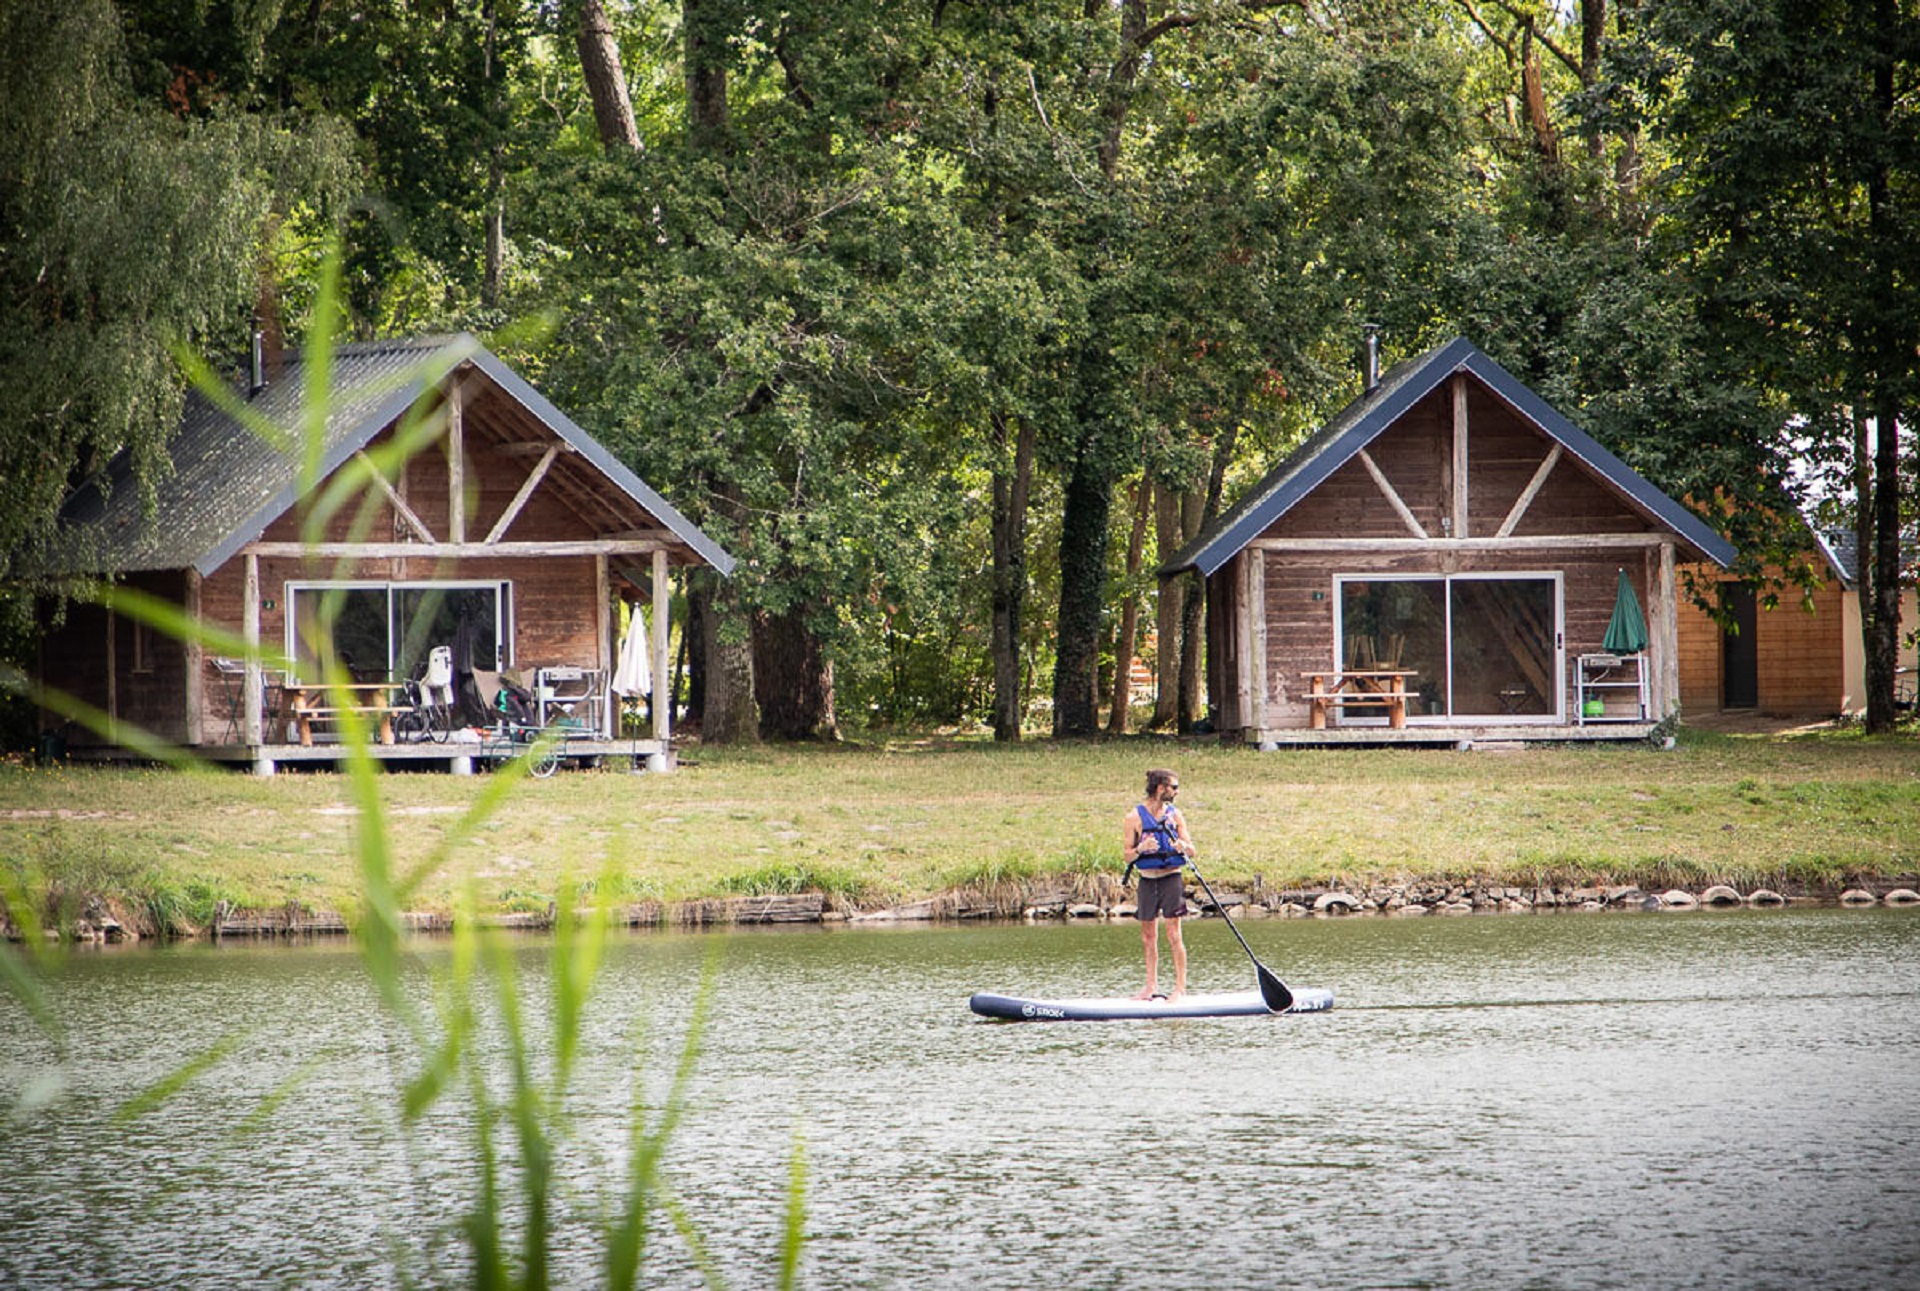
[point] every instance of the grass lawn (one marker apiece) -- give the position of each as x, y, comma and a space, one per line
882, 822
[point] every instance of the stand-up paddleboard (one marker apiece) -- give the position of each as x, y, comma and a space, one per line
1014, 1008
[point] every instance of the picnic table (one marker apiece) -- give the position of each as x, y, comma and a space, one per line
307, 704
1341, 688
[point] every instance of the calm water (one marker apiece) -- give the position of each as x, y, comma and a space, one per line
1635, 1101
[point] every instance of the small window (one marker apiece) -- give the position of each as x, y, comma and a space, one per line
142, 647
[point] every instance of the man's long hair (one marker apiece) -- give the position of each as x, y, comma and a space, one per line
1156, 778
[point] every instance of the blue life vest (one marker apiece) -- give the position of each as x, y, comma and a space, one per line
1157, 839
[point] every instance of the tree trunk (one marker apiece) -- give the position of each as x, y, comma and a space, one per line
1130, 612
1167, 612
1010, 575
693, 642
1883, 616
1192, 606
1120, 82
1083, 577
1893, 359
728, 716
495, 229
792, 679
606, 83
706, 73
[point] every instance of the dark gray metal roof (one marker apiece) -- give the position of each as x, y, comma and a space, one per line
232, 479
1363, 420
1841, 549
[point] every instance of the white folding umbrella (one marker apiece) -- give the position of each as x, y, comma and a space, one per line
634, 676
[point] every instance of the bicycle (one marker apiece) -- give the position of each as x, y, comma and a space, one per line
429, 713
422, 717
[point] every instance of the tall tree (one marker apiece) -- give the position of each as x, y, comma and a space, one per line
606, 82
1795, 198
131, 220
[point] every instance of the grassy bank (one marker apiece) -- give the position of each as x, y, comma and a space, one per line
880, 823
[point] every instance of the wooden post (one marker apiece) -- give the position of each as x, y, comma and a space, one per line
456, 465
1663, 637
1459, 455
1256, 618
250, 629
602, 646
196, 664
1317, 691
662, 677
113, 676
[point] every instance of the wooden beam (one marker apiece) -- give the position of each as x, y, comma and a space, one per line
1405, 513
534, 447
1528, 494
456, 464
1412, 546
457, 550
1459, 455
393, 495
532, 482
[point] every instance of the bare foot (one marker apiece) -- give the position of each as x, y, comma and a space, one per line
1177, 994
1146, 994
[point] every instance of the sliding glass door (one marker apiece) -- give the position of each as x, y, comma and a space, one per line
384, 631
1480, 647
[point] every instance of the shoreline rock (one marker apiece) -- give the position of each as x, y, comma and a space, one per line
101, 921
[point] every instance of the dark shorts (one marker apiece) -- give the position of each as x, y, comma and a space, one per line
1161, 898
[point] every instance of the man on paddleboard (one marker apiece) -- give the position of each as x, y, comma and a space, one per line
1157, 845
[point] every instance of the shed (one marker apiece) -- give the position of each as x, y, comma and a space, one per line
1441, 562
473, 515
1804, 657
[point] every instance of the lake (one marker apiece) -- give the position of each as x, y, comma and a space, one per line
1707, 1099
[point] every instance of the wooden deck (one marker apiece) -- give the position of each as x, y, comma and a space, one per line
459, 759
1457, 736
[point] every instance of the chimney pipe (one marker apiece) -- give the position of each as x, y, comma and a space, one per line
257, 373
1372, 331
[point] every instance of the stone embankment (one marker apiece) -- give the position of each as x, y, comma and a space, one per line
1416, 899
1100, 897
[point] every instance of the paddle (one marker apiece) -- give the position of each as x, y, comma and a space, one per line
1272, 990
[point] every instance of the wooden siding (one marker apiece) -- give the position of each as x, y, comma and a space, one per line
557, 618
1300, 628
561, 605
1417, 457
130, 672
1802, 656
1503, 452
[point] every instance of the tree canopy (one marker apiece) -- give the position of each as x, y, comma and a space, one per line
902, 298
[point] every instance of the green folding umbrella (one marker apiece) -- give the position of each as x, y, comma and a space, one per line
1627, 630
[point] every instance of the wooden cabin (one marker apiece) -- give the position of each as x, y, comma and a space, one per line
1800, 658
460, 511
1442, 563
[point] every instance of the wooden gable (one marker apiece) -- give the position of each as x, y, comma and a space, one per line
1452, 485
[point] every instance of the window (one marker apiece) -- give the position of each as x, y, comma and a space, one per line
383, 631
1480, 646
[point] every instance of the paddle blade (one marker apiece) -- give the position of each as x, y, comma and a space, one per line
1274, 991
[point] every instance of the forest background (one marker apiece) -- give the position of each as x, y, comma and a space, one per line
953, 320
